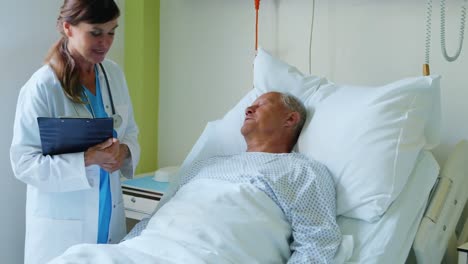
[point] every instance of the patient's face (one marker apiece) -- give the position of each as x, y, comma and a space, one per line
265, 116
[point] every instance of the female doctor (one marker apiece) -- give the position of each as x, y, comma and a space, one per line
76, 197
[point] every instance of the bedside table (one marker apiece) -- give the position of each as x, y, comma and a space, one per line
463, 254
141, 195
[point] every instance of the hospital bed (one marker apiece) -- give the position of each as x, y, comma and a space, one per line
365, 135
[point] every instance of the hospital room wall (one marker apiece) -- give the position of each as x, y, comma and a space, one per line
142, 73
207, 53
27, 32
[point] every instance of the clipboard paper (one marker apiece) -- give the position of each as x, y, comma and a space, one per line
71, 135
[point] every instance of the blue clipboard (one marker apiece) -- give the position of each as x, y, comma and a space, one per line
69, 135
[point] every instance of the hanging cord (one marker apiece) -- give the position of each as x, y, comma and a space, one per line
426, 70
257, 7
442, 31
311, 34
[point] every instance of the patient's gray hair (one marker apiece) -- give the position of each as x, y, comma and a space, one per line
294, 104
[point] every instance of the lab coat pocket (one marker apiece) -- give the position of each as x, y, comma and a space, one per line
122, 110
61, 206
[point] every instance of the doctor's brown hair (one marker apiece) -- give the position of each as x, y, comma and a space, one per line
59, 57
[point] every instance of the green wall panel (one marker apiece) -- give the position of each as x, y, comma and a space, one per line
142, 72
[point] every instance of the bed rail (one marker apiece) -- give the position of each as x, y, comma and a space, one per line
436, 233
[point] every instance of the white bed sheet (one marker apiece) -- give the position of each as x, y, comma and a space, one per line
389, 240
244, 226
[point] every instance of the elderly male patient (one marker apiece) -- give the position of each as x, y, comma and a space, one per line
285, 185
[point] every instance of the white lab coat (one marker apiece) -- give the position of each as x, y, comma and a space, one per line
62, 205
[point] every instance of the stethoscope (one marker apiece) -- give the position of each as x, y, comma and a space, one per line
117, 119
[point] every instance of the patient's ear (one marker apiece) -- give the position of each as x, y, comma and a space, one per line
293, 119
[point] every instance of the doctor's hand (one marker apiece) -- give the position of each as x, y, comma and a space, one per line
105, 154
124, 153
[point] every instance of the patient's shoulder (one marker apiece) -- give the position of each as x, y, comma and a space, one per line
310, 168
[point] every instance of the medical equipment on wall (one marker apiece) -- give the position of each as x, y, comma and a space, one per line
426, 70
257, 7
117, 118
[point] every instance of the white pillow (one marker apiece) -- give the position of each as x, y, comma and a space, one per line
370, 138
272, 74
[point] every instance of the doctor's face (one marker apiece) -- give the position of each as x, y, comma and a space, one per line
265, 116
89, 43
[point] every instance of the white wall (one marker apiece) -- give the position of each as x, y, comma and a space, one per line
27, 31
207, 53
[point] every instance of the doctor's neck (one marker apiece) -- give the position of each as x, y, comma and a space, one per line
86, 67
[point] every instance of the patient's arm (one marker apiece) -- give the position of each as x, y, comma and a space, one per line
312, 214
